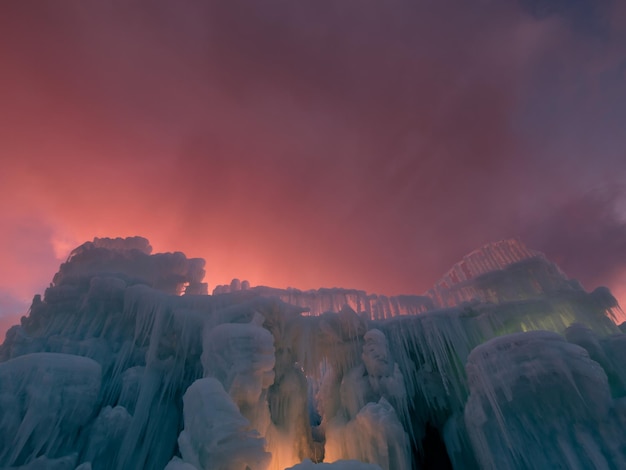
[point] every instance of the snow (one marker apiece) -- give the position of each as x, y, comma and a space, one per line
112, 369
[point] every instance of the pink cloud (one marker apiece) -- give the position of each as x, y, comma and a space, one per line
293, 143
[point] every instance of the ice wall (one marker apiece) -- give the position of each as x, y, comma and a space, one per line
131, 259
498, 272
113, 370
316, 302
216, 435
343, 465
538, 401
45, 401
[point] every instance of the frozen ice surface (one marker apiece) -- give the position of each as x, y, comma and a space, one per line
339, 465
178, 464
316, 302
506, 363
362, 424
45, 400
105, 435
216, 436
241, 357
537, 391
44, 463
374, 435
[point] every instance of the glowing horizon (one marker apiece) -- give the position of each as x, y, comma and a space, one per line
289, 156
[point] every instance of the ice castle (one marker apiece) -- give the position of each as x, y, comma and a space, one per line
127, 363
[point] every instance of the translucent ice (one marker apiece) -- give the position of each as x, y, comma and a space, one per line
216, 436
46, 400
339, 465
537, 391
241, 357
506, 363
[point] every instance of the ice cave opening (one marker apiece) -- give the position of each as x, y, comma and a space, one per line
434, 455
504, 364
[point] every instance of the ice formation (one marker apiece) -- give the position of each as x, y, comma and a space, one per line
578, 417
127, 363
216, 435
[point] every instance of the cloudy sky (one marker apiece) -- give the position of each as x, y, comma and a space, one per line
354, 143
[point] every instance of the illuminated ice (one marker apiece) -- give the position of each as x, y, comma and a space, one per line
504, 364
339, 465
365, 425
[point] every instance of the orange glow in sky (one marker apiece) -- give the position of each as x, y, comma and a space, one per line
296, 144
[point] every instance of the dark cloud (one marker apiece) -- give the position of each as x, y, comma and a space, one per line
586, 236
589, 16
